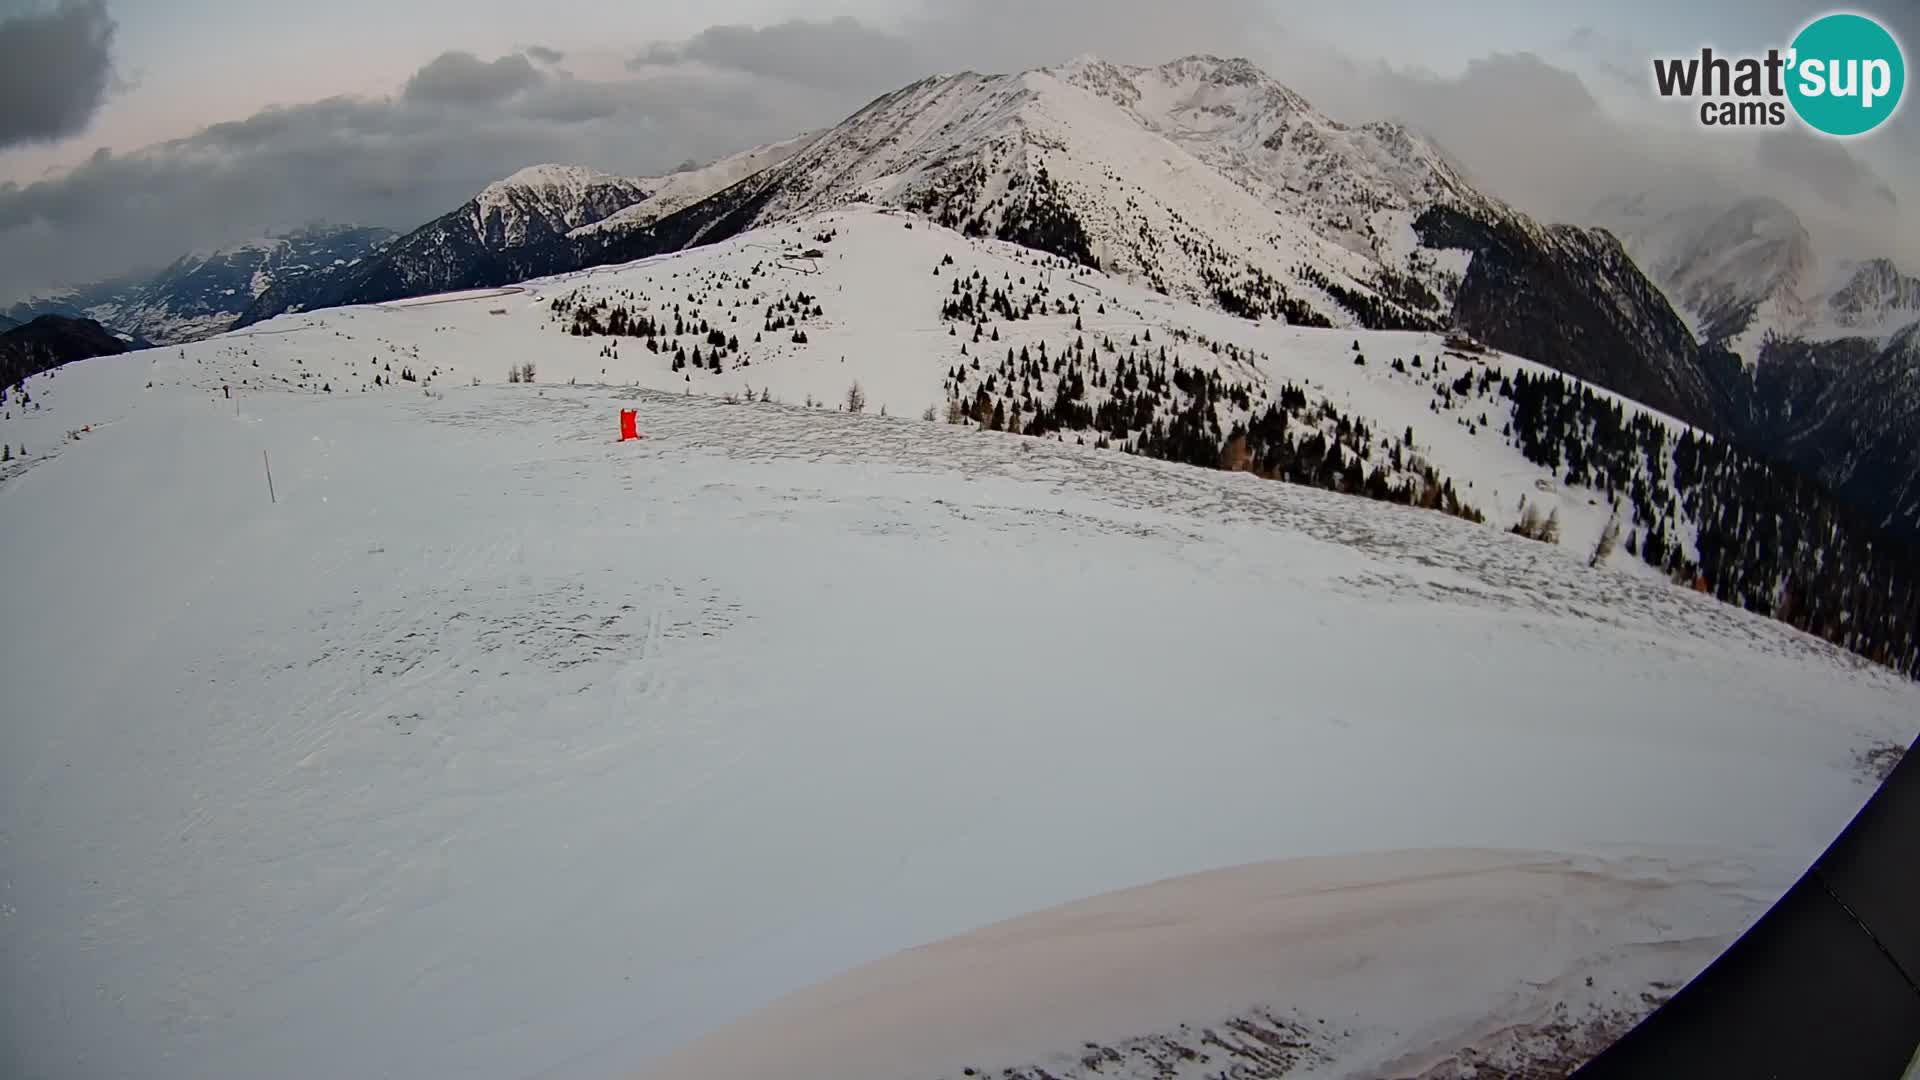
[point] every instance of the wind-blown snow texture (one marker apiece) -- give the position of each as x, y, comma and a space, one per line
495, 747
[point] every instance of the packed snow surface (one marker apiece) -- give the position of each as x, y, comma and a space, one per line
1391, 964
494, 747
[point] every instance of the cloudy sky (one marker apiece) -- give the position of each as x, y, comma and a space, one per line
134, 130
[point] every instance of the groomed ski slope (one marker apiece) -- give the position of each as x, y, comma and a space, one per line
496, 748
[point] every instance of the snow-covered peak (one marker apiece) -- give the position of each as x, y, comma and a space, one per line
1090, 72
1740, 268
550, 177
550, 199
1747, 269
1202, 90
1875, 296
1264, 136
1202, 176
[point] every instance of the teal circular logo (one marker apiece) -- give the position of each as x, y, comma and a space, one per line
1847, 74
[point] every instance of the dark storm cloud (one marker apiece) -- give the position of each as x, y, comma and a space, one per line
1556, 152
841, 53
981, 35
576, 101
1013, 35
463, 78
55, 70
398, 162
545, 55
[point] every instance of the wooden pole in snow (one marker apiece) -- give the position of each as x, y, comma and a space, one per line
263, 460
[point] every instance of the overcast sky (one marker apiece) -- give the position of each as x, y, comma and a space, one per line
134, 130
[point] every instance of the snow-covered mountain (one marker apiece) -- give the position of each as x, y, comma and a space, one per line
1257, 132
675, 192
514, 228
202, 293
1746, 270
1208, 181
1739, 270
1874, 300
544, 201
1821, 371
1204, 179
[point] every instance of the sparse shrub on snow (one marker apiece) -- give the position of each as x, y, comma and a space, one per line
1609, 539
1535, 526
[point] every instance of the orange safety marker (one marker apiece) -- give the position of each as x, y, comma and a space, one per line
629, 424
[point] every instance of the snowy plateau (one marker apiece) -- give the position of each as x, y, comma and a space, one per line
487, 745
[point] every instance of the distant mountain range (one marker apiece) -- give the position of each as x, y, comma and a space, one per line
1208, 181
1821, 368
546, 219
203, 293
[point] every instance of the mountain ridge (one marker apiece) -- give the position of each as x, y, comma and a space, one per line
1203, 177
203, 292
1317, 223
1813, 356
47, 342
